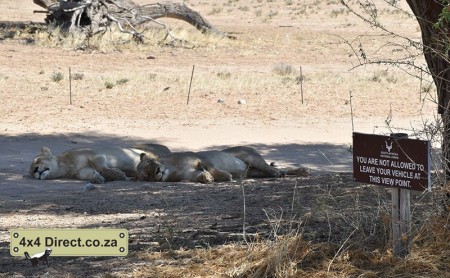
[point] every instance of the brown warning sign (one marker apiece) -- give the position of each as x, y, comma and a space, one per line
391, 161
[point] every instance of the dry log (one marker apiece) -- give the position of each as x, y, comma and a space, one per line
93, 16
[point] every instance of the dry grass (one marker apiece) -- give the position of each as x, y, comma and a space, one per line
292, 256
274, 81
112, 40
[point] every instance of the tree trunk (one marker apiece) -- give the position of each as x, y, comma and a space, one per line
435, 43
435, 49
427, 13
95, 15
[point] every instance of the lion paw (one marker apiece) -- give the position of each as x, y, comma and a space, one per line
303, 172
299, 172
114, 174
97, 178
205, 177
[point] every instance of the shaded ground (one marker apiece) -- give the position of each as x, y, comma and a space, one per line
162, 217
171, 216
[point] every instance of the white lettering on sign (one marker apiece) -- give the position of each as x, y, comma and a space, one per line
361, 159
374, 179
399, 174
366, 169
387, 181
392, 161
384, 172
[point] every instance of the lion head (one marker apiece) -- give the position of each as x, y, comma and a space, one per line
150, 169
44, 165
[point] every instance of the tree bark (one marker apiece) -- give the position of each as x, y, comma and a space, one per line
435, 48
95, 15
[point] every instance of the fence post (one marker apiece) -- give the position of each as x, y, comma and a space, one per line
70, 86
190, 84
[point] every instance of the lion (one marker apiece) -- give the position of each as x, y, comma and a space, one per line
96, 165
210, 166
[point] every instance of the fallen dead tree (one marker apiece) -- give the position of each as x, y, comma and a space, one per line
95, 16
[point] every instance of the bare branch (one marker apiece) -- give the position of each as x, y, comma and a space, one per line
92, 16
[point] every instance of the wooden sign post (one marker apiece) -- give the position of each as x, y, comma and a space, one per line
401, 215
401, 221
398, 162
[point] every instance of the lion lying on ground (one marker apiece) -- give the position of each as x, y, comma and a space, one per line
96, 165
210, 166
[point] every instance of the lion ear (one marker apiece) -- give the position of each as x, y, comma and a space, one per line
46, 151
142, 156
148, 156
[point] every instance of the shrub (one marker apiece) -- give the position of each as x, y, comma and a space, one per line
57, 76
109, 85
283, 69
224, 75
122, 81
77, 76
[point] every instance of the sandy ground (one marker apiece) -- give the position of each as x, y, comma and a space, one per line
317, 134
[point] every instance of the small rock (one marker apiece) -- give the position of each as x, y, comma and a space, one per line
221, 100
242, 101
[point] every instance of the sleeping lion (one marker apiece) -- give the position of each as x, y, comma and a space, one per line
209, 166
95, 165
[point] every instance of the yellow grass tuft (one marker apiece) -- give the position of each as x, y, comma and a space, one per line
292, 256
273, 259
